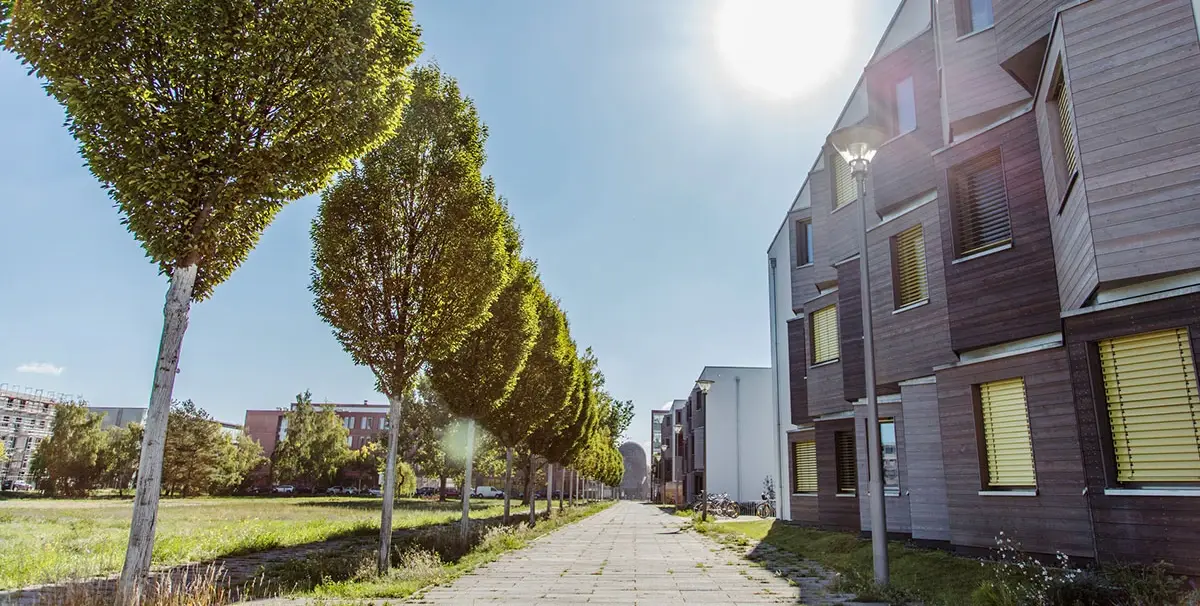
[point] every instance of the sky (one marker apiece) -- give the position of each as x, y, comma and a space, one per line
648, 153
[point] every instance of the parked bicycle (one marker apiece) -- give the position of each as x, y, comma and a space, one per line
719, 504
766, 509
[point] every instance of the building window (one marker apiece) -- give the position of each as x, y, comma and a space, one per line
825, 335
974, 15
804, 461
1006, 439
905, 119
891, 456
1066, 152
1153, 406
349, 441
804, 245
980, 204
366, 422
910, 277
845, 189
847, 465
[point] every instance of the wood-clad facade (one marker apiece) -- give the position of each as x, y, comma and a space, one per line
1085, 113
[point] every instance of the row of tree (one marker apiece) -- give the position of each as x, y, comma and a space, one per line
203, 118
80, 456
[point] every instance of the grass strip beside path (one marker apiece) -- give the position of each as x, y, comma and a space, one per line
932, 577
436, 558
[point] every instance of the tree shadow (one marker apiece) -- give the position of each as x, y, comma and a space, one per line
376, 505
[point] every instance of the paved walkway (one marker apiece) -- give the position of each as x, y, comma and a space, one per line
628, 554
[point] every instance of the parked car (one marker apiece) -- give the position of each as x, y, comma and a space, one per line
487, 492
350, 490
284, 489
335, 490
452, 493
426, 491
374, 492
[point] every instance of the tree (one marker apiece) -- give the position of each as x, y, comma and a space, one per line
543, 385
122, 447
68, 462
192, 451
426, 420
477, 377
364, 463
239, 456
408, 249
314, 448
203, 118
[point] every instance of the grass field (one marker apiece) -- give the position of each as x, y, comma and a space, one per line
52, 540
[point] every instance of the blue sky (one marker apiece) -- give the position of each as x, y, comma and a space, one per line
647, 178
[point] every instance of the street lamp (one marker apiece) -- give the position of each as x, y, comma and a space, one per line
704, 385
857, 146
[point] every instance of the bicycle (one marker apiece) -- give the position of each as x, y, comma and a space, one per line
766, 509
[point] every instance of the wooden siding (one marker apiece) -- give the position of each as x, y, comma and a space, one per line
898, 355
896, 507
1008, 294
922, 463
975, 84
805, 508
1020, 23
903, 167
824, 380
803, 285
850, 331
1133, 68
1129, 528
1056, 519
1070, 224
798, 370
836, 512
821, 196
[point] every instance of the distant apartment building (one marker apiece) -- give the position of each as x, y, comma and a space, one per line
119, 417
365, 421
26, 417
1034, 255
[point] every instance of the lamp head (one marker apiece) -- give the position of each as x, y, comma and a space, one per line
857, 144
703, 385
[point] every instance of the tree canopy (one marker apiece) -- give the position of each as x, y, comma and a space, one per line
203, 118
314, 448
67, 463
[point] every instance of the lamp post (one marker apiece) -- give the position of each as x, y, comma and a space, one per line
704, 385
857, 146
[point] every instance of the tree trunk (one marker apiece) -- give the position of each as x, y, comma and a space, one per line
549, 489
507, 481
529, 493
145, 501
466, 488
389, 486
562, 486
442, 487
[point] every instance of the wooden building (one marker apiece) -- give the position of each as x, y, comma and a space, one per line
1034, 249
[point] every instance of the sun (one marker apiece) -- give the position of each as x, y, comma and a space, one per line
783, 48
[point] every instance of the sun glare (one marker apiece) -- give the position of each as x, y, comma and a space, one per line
783, 48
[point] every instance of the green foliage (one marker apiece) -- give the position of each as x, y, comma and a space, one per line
425, 420
120, 455
68, 462
314, 448
557, 437
239, 456
409, 250
406, 479
544, 385
477, 377
204, 117
5, 12
199, 458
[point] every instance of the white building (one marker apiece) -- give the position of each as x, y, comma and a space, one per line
729, 444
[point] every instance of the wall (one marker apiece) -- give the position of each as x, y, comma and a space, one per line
1009, 294
837, 512
1137, 528
975, 84
825, 379
738, 415
782, 343
926, 489
1057, 518
899, 519
803, 508
263, 425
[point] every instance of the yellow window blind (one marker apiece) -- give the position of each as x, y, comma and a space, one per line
825, 334
912, 283
1153, 406
804, 459
1006, 433
980, 204
845, 189
1066, 128
847, 466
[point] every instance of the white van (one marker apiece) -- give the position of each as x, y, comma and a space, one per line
487, 492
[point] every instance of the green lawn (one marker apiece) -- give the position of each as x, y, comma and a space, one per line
47, 540
933, 576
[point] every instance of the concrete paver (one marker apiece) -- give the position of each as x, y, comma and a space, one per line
628, 554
